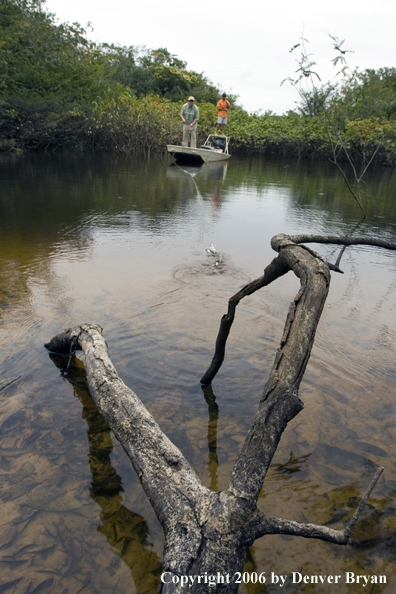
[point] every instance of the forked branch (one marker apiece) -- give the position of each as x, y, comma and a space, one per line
208, 531
277, 268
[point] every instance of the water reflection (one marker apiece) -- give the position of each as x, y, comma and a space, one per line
212, 435
125, 531
206, 179
122, 242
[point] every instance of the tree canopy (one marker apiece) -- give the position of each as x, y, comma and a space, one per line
42, 60
361, 95
157, 72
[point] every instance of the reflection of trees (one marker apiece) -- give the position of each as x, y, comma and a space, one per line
75, 192
66, 192
51, 203
125, 531
315, 184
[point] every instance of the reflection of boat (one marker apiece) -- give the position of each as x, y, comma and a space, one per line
201, 171
215, 148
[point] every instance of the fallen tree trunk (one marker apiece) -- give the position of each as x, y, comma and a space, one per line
206, 532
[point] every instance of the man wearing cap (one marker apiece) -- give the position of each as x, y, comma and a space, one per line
190, 115
223, 105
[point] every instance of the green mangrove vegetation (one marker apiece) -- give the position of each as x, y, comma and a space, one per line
58, 90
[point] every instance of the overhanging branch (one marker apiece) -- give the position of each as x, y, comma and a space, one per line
343, 240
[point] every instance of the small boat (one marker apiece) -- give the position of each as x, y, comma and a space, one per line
215, 148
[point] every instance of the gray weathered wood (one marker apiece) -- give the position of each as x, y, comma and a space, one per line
208, 531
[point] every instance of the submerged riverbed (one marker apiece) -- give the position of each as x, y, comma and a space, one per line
121, 242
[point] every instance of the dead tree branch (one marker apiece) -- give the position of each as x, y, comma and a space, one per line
208, 531
171, 485
280, 401
275, 270
343, 240
266, 525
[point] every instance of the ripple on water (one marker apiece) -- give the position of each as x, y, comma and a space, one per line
212, 265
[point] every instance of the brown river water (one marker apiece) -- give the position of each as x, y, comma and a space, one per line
121, 242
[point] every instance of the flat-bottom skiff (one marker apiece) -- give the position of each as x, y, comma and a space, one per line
215, 148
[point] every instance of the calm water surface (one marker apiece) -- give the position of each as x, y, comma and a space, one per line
122, 243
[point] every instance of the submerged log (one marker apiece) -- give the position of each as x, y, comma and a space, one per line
206, 532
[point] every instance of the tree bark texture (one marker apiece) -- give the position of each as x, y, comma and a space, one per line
207, 531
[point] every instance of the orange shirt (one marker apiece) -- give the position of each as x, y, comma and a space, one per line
222, 106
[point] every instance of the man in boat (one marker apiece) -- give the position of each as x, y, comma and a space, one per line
223, 105
190, 115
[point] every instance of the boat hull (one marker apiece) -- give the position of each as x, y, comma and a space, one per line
186, 154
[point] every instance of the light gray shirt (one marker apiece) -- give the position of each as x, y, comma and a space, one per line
190, 114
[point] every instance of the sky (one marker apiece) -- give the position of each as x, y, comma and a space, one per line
244, 48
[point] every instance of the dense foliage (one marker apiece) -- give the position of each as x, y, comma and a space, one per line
59, 90
367, 94
359, 113
42, 62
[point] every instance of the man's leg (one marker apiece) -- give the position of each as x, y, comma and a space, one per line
185, 136
193, 143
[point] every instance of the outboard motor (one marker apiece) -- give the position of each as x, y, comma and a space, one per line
219, 143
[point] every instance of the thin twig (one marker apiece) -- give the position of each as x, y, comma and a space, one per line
337, 264
349, 185
368, 164
363, 502
262, 524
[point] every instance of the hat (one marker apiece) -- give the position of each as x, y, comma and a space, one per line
224, 95
191, 98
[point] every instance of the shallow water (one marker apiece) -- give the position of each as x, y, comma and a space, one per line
122, 242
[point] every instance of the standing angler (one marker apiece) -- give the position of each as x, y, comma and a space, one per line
223, 105
190, 115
